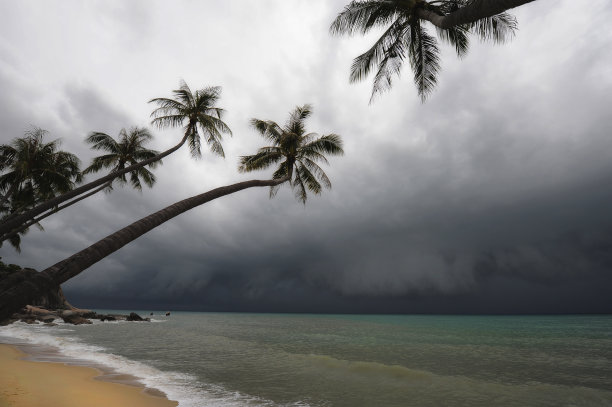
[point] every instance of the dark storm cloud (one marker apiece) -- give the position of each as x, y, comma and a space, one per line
491, 197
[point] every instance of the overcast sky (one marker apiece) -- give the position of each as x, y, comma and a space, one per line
493, 196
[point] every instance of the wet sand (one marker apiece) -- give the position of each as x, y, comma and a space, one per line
24, 383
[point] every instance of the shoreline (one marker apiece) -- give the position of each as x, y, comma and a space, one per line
30, 383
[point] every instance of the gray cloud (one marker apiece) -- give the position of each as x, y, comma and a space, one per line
491, 197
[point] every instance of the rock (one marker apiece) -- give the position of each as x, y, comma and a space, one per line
168, 313
74, 318
106, 318
134, 317
47, 319
29, 309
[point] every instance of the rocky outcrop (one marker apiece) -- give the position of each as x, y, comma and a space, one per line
52, 305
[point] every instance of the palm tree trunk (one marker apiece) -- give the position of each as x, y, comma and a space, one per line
476, 10
10, 224
51, 212
14, 296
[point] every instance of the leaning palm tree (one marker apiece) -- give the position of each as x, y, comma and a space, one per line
190, 110
18, 291
296, 153
406, 35
128, 150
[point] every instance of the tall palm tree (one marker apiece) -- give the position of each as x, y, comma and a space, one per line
406, 35
296, 153
201, 112
127, 150
194, 110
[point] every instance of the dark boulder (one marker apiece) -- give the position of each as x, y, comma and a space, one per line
135, 317
74, 318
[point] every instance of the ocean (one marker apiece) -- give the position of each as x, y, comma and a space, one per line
228, 359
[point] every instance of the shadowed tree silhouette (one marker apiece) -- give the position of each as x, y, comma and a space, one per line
193, 110
16, 294
189, 110
34, 171
406, 37
128, 150
296, 153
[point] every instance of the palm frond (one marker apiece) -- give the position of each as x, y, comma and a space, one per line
328, 144
456, 36
424, 59
295, 124
299, 187
499, 28
317, 172
264, 158
268, 129
361, 16
387, 44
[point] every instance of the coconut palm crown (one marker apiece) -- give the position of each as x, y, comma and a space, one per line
127, 150
35, 170
407, 37
296, 152
196, 112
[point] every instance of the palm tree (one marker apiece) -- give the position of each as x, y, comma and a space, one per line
296, 152
193, 110
128, 150
407, 37
34, 171
201, 112
295, 147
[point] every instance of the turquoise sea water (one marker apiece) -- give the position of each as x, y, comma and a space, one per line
220, 359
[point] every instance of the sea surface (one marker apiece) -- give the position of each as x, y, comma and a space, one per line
227, 359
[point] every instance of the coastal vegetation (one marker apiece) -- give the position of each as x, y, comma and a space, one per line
31, 193
33, 171
196, 109
296, 152
295, 149
406, 36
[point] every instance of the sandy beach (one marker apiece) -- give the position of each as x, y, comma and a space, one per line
25, 383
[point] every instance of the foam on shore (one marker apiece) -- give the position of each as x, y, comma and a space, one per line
26, 383
41, 343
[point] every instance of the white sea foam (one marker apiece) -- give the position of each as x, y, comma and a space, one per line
184, 388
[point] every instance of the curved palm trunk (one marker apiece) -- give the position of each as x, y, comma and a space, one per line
13, 223
476, 10
38, 219
14, 296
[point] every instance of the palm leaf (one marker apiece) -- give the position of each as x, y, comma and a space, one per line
387, 44
424, 59
361, 16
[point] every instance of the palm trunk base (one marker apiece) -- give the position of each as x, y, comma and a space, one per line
22, 288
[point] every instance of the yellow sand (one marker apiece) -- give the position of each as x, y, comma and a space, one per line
40, 384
